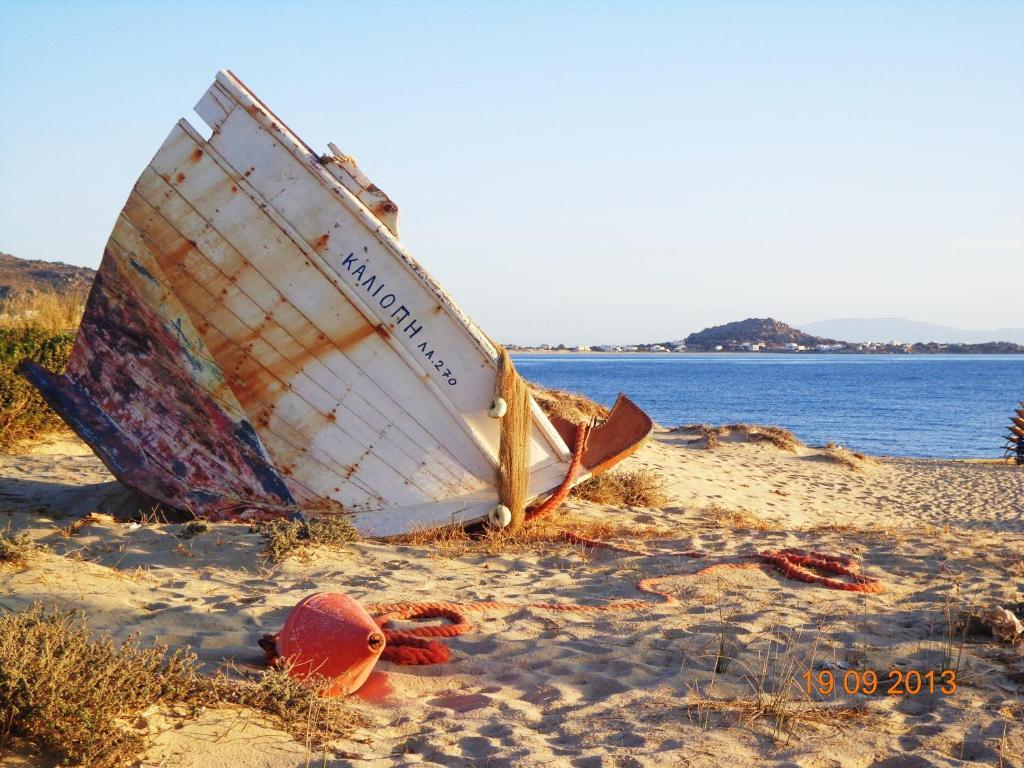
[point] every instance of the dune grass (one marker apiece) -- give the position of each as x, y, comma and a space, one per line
76, 697
852, 459
570, 406
779, 437
539, 537
735, 519
619, 488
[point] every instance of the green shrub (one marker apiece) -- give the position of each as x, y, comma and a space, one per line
23, 412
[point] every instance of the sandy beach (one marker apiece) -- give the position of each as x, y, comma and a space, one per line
618, 688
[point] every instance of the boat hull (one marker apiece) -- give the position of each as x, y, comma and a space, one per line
259, 342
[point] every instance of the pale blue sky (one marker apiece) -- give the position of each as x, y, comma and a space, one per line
578, 172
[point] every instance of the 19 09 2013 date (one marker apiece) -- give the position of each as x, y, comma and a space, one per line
896, 683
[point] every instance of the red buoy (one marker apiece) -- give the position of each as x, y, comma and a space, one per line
331, 635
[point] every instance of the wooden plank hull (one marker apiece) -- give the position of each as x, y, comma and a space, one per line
258, 341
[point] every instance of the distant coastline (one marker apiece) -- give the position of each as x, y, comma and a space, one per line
518, 350
767, 335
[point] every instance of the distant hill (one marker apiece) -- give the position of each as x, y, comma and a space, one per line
19, 276
753, 330
908, 331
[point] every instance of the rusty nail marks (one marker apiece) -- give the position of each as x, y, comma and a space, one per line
180, 178
321, 242
196, 156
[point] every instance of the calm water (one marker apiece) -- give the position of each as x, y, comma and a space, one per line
919, 405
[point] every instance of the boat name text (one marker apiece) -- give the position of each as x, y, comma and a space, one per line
388, 300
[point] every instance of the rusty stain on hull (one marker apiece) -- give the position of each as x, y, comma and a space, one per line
258, 341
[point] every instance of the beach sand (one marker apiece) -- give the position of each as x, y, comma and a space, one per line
532, 687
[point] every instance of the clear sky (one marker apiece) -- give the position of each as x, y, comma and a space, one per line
578, 172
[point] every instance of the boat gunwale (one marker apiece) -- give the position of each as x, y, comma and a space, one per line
308, 159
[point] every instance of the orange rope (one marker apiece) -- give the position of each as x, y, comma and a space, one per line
415, 646
560, 494
419, 646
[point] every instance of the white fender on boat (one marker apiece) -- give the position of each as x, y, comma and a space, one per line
500, 516
498, 408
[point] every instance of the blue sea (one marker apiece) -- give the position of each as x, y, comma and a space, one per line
939, 406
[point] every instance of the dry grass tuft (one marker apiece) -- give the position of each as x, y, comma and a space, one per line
45, 310
75, 697
284, 538
637, 488
194, 528
869, 532
712, 436
735, 519
16, 550
780, 437
70, 695
300, 707
777, 696
787, 716
539, 537
852, 459
449, 541
570, 406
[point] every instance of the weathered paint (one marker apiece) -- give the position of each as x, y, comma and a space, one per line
258, 340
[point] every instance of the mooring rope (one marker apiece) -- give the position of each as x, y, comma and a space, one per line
419, 646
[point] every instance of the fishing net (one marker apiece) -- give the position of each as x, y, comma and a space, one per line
514, 448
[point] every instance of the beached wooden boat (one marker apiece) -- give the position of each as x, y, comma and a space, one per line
258, 341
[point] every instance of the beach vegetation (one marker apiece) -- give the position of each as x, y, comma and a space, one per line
44, 309
284, 538
775, 694
538, 537
572, 407
624, 488
734, 518
779, 437
77, 697
847, 458
194, 528
16, 549
23, 412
